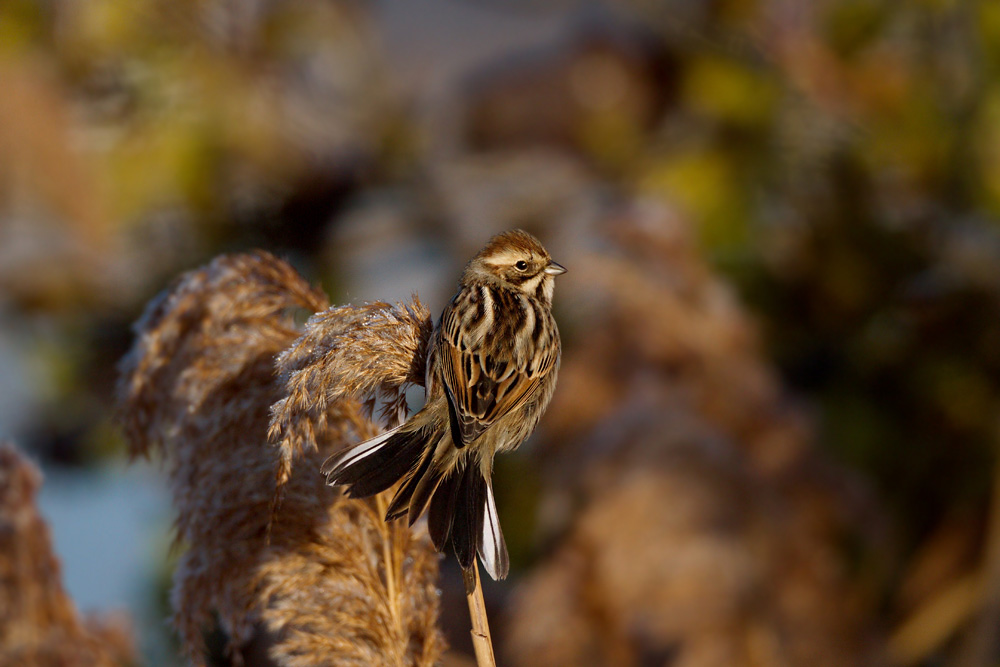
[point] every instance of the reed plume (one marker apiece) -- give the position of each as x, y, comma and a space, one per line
370, 353
330, 582
39, 624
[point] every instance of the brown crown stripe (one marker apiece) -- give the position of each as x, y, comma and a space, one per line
518, 239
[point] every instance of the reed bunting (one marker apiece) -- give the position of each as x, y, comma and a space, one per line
491, 370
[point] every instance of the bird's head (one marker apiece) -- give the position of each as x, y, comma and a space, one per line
518, 261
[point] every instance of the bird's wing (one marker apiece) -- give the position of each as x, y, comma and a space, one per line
481, 387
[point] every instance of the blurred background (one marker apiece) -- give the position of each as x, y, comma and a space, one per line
775, 438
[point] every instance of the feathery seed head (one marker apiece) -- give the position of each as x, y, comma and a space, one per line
39, 624
328, 582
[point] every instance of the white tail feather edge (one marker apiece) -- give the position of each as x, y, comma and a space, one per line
492, 550
340, 462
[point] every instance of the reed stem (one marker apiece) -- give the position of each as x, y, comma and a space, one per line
482, 641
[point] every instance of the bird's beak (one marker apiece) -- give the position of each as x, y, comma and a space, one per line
554, 269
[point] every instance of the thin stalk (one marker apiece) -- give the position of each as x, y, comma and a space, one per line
390, 563
482, 642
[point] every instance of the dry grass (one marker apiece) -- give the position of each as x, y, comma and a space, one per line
370, 353
39, 624
332, 583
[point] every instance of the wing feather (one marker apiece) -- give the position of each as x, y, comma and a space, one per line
483, 378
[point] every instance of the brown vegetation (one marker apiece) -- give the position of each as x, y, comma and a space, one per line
331, 582
834, 167
39, 625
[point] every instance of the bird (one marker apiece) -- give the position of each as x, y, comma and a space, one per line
491, 370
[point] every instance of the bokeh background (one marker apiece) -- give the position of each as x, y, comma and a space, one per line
775, 439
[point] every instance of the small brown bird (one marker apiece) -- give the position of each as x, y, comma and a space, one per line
491, 370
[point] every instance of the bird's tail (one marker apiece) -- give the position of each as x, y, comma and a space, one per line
463, 510
375, 465
454, 490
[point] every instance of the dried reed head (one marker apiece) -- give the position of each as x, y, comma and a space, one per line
39, 624
368, 353
333, 584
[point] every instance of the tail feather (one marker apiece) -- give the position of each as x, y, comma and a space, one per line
424, 491
441, 513
401, 503
467, 525
375, 465
460, 505
334, 465
492, 547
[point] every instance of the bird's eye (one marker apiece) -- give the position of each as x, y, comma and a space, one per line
521, 265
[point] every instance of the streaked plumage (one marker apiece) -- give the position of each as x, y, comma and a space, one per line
491, 371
